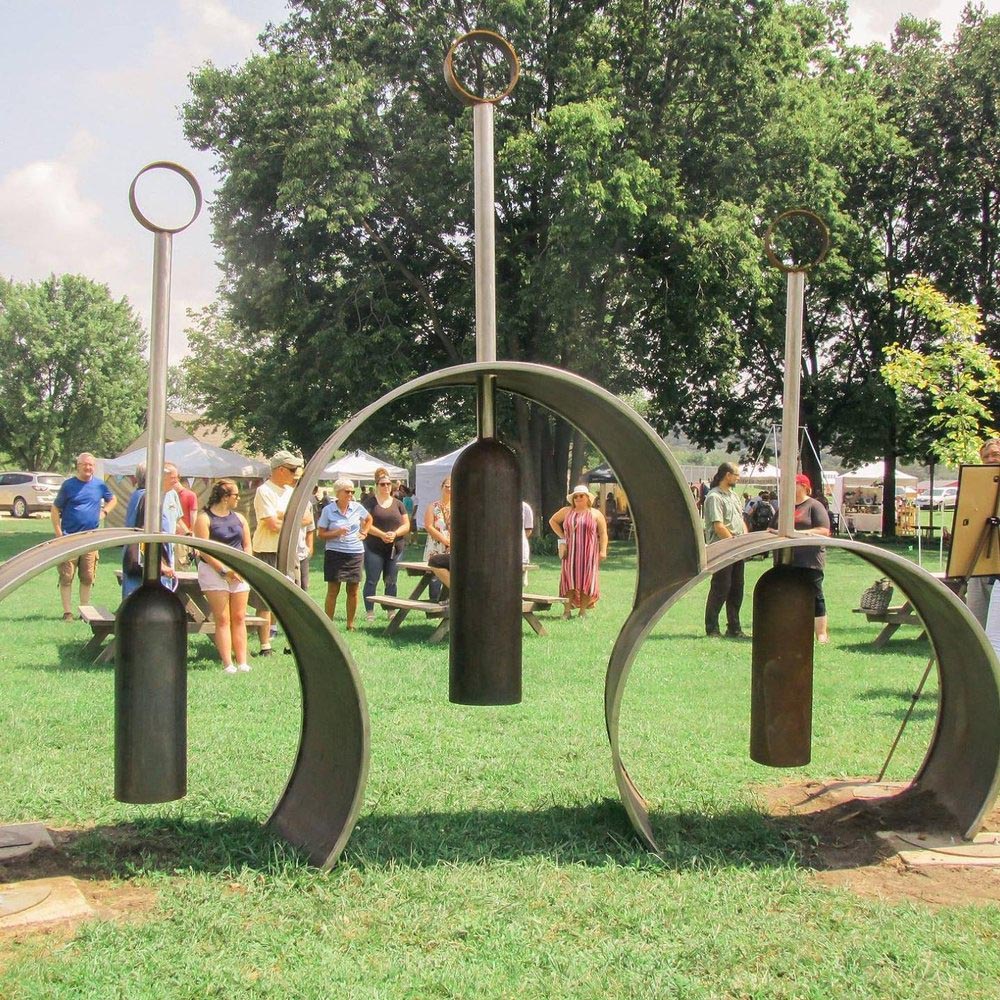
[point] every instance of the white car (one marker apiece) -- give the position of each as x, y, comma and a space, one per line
24, 493
943, 498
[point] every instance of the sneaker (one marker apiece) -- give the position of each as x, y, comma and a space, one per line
369, 616
736, 634
713, 633
230, 669
265, 651
243, 667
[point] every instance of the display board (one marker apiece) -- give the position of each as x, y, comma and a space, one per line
975, 542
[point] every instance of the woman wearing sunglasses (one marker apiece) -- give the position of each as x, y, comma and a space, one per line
385, 541
343, 526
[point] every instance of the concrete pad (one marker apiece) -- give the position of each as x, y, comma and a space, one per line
21, 839
41, 900
919, 850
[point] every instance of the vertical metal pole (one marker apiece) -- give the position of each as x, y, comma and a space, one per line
486, 308
790, 405
157, 397
486, 321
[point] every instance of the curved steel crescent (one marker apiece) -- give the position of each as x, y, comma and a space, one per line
962, 766
320, 803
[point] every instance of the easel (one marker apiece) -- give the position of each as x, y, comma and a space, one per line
973, 552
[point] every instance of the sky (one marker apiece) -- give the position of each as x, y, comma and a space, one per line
92, 91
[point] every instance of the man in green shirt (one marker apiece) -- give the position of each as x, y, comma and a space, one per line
723, 515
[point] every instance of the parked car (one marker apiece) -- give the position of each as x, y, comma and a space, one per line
943, 498
24, 493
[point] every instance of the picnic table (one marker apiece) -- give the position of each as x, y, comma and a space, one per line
199, 620
894, 618
421, 571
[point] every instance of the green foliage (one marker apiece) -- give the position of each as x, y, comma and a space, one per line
72, 376
950, 380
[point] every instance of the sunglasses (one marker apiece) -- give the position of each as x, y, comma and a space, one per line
385, 482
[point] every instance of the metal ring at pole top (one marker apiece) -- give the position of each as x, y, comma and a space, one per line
498, 42
177, 169
791, 213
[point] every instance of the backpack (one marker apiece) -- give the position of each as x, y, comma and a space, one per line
760, 516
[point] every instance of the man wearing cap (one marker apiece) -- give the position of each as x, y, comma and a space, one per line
811, 518
269, 505
723, 515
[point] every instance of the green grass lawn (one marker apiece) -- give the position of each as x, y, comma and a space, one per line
492, 857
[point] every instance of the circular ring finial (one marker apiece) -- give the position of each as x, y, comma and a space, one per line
177, 169
796, 213
499, 43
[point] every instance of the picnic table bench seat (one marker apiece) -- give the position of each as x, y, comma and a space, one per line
892, 618
542, 602
435, 609
102, 626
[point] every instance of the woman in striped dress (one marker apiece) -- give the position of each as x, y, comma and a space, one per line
583, 543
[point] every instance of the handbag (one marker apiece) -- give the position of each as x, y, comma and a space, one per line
877, 597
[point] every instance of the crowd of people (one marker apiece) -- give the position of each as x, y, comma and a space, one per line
368, 534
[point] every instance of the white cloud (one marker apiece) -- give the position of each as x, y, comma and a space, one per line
48, 224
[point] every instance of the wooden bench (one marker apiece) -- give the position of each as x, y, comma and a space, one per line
433, 609
102, 625
541, 602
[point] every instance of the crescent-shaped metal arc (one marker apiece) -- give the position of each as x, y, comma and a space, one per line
320, 803
670, 546
962, 765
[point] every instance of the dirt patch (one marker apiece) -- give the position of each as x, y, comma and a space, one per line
110, 898
833, 827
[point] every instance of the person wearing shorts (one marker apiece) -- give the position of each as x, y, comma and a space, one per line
343, 526
80, 504
269, 505
225, 590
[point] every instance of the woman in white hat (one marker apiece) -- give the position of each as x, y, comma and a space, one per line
583, 534
343, 525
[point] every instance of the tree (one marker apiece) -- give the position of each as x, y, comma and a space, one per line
643, 146
945, 387
72, 375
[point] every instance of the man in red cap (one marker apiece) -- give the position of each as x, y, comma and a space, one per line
811, 518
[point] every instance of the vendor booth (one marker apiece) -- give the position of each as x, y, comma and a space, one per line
859, 495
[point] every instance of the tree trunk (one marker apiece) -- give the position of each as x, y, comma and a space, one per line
889, 480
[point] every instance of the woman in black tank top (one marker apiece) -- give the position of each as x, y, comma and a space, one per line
225, 590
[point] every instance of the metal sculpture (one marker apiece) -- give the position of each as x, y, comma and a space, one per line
783, 600
485, 634
151, 648
320, 803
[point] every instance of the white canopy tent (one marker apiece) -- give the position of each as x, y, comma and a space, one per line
360, 465
429, 474
194, 460
759, 474
874, 472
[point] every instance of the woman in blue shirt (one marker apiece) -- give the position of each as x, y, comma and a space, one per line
343, 526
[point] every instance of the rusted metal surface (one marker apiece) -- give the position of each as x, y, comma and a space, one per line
320, 804
485, 608
151, 696
782, 668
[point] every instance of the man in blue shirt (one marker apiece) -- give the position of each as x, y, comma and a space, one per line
79, 506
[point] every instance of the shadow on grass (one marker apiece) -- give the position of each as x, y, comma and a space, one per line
894, 647
595, 835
